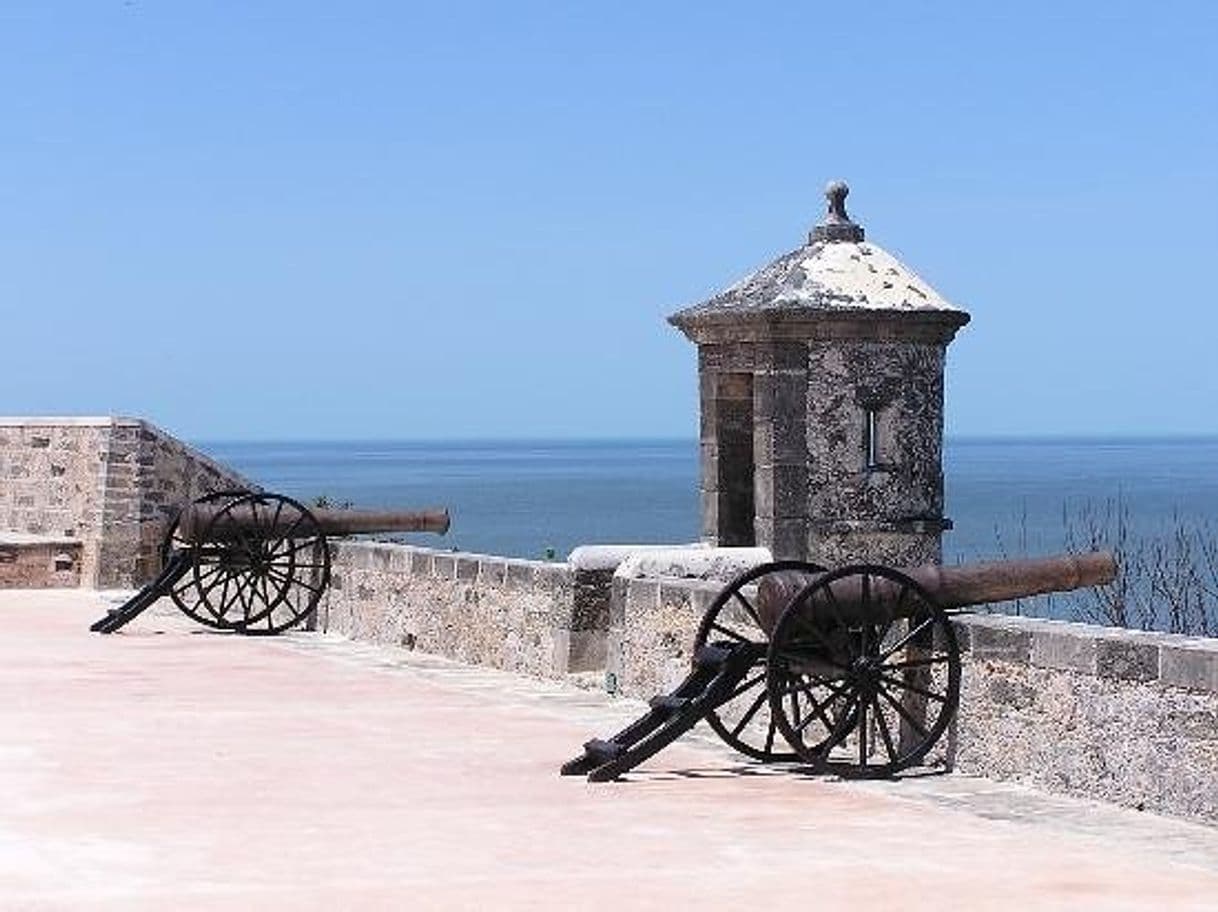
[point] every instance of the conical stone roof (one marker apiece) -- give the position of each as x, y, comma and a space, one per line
836, 272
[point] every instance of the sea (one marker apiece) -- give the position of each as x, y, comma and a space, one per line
541, 498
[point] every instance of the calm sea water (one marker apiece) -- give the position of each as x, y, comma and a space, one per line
516, 498
520, 498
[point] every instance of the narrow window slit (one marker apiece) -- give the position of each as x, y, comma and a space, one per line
871, 447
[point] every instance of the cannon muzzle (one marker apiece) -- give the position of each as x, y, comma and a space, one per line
950, 587
204, 521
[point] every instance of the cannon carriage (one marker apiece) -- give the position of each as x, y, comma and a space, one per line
854, 671
253, 562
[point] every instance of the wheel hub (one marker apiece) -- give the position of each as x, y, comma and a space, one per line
865, 673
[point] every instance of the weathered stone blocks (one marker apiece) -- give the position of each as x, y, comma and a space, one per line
513, 614
109, 482
1190, 663
1125, 716
1127, 661
38, 562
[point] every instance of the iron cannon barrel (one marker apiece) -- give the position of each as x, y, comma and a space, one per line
958, 586
221, 523
356, 522
966, 585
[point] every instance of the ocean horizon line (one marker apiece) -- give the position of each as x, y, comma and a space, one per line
951, 439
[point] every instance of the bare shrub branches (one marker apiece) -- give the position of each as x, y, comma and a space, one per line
1167, 581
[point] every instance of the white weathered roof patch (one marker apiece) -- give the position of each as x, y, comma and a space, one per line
830, 275
835, 270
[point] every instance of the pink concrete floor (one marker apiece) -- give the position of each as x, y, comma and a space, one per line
163, 768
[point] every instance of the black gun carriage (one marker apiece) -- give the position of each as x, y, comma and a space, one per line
253, 562
854, 671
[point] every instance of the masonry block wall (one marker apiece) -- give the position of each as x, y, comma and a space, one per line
753, 442
42, 562
651, 630
1120, 715
108, 483
828, 449
52, 481
883, 502
517, 615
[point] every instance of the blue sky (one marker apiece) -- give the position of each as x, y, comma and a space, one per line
289, 220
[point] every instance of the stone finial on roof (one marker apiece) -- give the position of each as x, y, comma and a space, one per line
837, 225
835, 271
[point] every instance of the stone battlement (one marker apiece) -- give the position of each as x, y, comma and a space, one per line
103, 482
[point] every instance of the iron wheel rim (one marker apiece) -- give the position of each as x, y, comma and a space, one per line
889, 678
277, 567
751, 692
186, 593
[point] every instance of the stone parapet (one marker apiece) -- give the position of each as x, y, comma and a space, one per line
657, 599
652, 623
1120, 715
535, 617
705, 563
109, 483
517, 615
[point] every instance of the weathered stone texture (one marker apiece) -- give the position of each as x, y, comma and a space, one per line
784, 438
1190, 662
857, 509
51, 483
1118, 715
654, 621
1133, 743
29, 562
107, 482
838, 544
512, 614
591, 591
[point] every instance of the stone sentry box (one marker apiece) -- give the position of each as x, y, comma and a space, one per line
821, 387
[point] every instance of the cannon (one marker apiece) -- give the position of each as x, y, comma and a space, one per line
252, 562
854, 671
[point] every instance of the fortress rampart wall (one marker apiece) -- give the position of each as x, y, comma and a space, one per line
105, 482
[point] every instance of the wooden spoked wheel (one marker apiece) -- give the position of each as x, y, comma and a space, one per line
744, 720
863, 672
261, 564
186, 592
